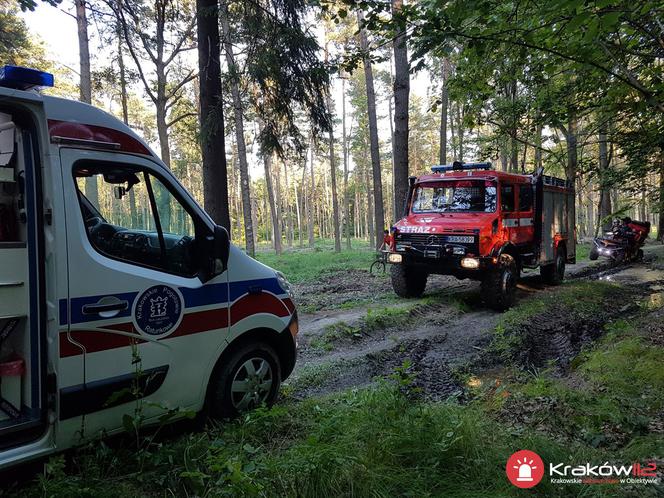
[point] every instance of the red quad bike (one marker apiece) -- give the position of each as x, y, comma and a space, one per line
623, 244
470, 221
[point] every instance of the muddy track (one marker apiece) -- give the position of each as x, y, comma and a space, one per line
434, 339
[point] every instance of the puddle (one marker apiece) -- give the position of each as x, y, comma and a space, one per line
655, 300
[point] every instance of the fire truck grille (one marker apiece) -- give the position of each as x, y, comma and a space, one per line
423, 241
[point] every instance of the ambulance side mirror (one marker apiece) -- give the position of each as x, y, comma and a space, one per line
220, 249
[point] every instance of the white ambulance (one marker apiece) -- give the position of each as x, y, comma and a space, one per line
116, 288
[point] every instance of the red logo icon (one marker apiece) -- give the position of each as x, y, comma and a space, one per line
525, 469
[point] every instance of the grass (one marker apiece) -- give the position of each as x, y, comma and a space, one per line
307, 265
377, 442
582, 251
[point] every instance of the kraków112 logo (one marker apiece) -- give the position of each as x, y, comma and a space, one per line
525, 469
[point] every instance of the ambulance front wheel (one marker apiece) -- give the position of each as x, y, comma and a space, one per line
249, 378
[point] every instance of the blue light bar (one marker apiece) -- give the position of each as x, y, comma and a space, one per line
459, 166
23, 78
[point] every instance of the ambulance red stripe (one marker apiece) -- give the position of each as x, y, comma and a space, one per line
192, 323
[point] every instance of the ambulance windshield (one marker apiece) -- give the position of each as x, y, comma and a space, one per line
455, 196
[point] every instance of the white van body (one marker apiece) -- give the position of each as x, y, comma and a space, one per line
102, 330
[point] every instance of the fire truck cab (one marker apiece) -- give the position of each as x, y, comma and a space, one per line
470, 221
118, 294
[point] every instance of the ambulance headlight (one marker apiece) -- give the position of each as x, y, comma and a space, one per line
395, 258
284, 284
470, 263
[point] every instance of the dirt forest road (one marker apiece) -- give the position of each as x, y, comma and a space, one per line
357, 330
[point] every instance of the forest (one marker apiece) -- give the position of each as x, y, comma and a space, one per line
292, 120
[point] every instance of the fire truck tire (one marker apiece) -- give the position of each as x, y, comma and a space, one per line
249, 378
594, 254
499, 287
554, 273
407, 282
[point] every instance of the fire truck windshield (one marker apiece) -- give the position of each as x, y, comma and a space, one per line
460, 196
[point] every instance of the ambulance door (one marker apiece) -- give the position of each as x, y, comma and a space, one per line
148, 325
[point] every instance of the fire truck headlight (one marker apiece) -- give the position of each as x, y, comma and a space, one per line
470, 263
395, 258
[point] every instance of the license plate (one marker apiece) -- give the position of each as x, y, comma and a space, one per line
461, 239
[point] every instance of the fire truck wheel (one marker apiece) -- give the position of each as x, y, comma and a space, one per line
554, 274
499, 287
594, 254
408, 282
249, 378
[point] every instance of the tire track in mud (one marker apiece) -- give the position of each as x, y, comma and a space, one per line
437, 340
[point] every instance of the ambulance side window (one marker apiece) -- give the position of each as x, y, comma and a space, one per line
525, 198
507, 198
131, 215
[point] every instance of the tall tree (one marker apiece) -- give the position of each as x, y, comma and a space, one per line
604, 185
158, 34
274, 211
401, 96
238, 113
444, 104
344, 143
211, 116
373, 132
333, 181
85, 85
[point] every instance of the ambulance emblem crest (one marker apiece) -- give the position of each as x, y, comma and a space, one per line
158, 310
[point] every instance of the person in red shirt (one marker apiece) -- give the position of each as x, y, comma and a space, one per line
387, 241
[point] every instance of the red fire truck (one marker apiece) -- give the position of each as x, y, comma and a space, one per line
470, 221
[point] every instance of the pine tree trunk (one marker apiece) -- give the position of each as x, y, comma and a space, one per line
276, 228
297, 211
460, 129
312, 196
660, 224
289, 218
444, 102
213, 140
373, 136
371, 228
125, 119
238, 112
538, 146
570, 170
83, 52
401, 96
85, 87
333, 173
604, 186
344, 142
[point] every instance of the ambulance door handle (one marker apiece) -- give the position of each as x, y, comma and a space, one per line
105, 309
